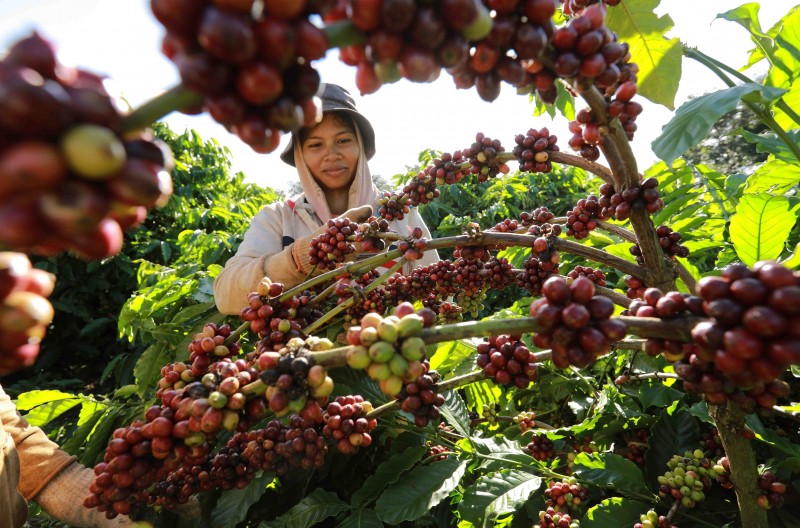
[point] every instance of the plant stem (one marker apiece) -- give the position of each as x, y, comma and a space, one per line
729, 420
628, 344
615, 296
335, 357
595, 168
173, 99
237, 333
626, 175
678, 329
603, 257
347, 269
653, 375
321, 296
630, 236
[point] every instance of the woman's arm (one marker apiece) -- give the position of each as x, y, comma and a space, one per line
260, 254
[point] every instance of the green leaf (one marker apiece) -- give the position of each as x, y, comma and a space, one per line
315, 507
694, 119
614, 512
671, 434
451, 354
388, 472
78, 438
769, 143
700, 411
792, 100
659, 59
609, 471
232, 506
760, 227
770, 437
98, 439
793, 262
45, 413
658, 395
361, 518
455, 412
148, 367
421, 489
496, 494
31, 399
774, 176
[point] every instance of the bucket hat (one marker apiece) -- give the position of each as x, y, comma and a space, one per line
337, 99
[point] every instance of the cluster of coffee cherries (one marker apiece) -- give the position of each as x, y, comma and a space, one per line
553, 518
669, 242
389, 348
422, 188
447, 169
583, 217
500, 273
436, 452
208, 346
413, 248
393, 206
347, 425
595, 275
535, 272
544, 245
565, 495
541, 448
69, 179
525, 421
531, 150
420, 398
508, 361
366, 234
636, 447
652, 519
540, 215
508, 225
712, 443
25, 311
330, 248
688, 478
772, 490
670, 305
619, 205
407, 40
275, 321
446, 311
482, 157
574, 322
635, 287
292, 376
143, 453
440, 279
587, 50
252, 66
518, 36
753, 335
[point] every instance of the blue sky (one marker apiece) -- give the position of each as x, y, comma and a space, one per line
122, 39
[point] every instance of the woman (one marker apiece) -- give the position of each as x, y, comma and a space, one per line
331, 161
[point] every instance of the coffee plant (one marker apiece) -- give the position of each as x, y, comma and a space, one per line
657, 304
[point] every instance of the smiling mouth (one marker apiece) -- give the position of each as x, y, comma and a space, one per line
335, 170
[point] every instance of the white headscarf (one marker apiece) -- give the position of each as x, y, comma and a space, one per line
362, 190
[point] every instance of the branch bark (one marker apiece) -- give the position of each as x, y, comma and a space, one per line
729, 420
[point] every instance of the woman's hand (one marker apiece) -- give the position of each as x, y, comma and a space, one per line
301, 247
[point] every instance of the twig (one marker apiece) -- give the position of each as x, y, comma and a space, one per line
582, 163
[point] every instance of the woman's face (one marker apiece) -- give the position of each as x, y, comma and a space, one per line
331, 152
